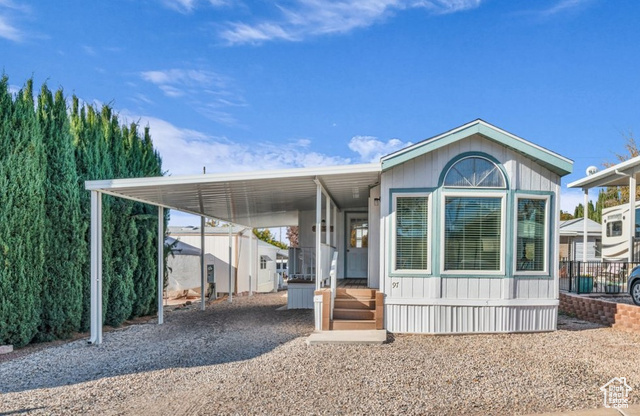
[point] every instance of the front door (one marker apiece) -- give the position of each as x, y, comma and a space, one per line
357, 244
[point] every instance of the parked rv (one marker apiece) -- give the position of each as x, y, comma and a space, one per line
615, 233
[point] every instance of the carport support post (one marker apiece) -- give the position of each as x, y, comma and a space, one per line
632, 214
160, 265
584, 225
202, 265
318, 235
327, 235
96, 268
230, 260
251, 262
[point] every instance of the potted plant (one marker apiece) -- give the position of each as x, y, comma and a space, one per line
585, 283
612, 286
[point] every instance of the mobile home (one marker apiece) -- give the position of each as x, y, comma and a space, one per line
457, 233
259, 275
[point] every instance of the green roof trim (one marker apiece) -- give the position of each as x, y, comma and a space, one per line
552, 161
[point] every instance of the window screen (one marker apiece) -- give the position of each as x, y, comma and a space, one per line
472, 233
530, 247
412, 219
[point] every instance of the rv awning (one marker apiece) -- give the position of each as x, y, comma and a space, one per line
617, 175
254, 199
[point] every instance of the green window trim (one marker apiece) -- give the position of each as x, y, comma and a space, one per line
532, 235
475, 240
411, 233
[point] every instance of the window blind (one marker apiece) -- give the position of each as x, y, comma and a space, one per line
472, 233
412, 219
530, 248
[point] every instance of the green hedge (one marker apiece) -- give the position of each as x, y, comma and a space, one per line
47, 151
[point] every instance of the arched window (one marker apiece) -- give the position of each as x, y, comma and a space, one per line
475, 172
473, 229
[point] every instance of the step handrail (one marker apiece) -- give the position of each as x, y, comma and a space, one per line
333, 281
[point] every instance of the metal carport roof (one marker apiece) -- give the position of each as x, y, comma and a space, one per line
254, 199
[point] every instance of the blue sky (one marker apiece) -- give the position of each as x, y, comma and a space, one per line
245, 85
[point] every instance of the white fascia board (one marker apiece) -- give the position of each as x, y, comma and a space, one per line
475, 123
312, 173
600, 178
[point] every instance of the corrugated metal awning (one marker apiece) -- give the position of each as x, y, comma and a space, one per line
253, 199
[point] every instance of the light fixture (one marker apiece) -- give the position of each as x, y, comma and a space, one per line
376, 202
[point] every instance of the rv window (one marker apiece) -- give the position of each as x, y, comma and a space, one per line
614, 229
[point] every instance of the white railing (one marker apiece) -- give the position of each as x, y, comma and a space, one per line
333, 273
302, 263
326, 252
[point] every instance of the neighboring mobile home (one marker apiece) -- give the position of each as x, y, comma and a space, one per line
572, 240
246, 276
455, 234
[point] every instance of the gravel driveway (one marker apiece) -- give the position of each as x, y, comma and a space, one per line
248, 358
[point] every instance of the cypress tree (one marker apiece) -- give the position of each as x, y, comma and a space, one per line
124, 256
62, 279
22, 219
93, 162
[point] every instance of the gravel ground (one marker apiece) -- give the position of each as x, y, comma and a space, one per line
248, 358
624, 298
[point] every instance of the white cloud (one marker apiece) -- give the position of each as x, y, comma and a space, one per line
186, 151
207, 92
303, 18
563, 6
371, 149
187, 6
9, 31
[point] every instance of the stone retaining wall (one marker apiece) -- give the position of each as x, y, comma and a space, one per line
616, 315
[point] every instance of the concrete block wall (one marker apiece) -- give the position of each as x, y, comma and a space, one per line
616, 315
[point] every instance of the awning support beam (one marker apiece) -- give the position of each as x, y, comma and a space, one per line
632, 214
318, 235
585, 215
203, 266
160, 265
96, 268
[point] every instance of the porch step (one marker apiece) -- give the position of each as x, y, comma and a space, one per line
353, 324
354, 303
348, 314
355, 293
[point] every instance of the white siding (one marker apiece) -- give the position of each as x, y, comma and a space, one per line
577, 245
449, 319
437, 305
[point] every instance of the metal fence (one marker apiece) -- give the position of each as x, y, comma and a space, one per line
595, 276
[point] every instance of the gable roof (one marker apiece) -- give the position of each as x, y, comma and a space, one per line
182, 248
551, 160
574, 227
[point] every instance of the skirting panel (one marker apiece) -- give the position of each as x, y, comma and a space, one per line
446, 319
300, 295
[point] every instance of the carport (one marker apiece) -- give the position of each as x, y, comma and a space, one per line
257, 199
625, 173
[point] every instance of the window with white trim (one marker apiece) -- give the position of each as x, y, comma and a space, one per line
473, 233
473, 217
263, 262
531, 234
411, 250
